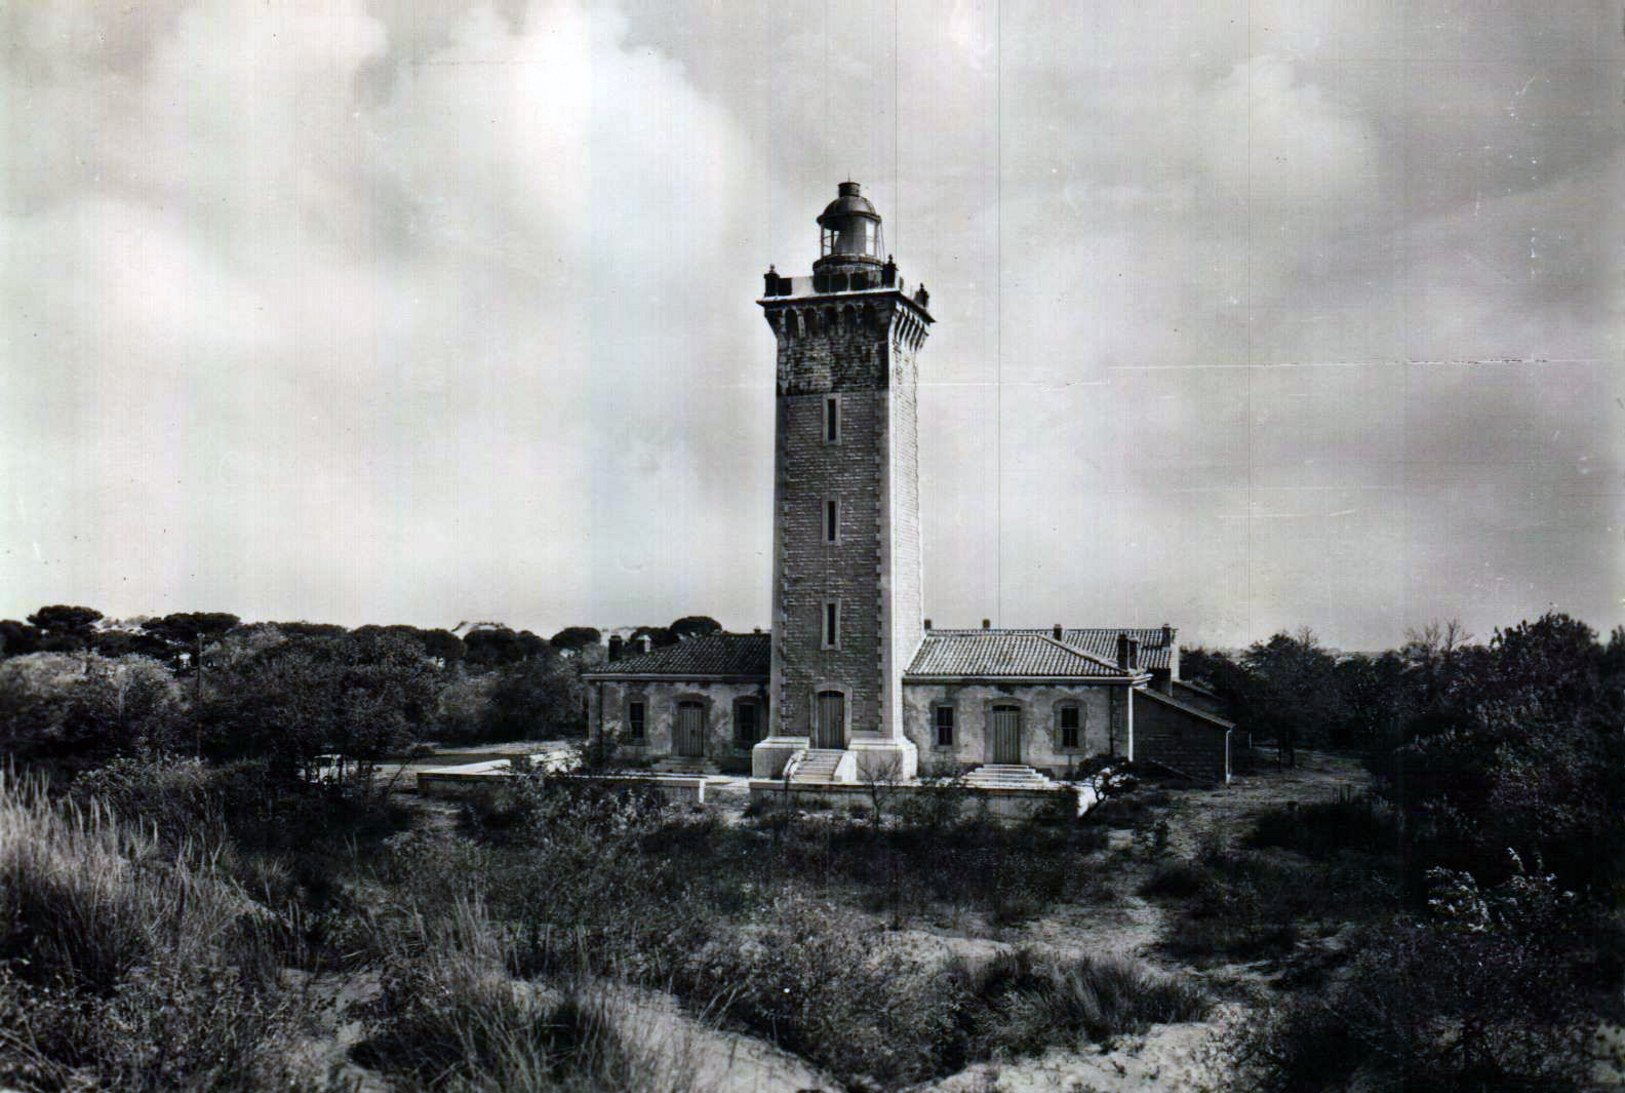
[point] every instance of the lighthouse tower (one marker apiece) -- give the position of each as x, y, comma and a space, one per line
847, 583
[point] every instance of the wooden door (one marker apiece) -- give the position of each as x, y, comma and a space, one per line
829, 726
689, 738
1007, 734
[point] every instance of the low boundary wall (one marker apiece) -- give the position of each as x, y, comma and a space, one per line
1007, 804
679, 789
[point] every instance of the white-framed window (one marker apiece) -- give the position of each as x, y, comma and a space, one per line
942, 718
832, 624
832, 419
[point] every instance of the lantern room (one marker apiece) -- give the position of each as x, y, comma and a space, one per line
849, 230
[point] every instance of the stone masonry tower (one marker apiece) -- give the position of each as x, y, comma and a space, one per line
847, 585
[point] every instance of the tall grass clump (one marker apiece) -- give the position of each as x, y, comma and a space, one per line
1022, 1000
125, 967
453, 1020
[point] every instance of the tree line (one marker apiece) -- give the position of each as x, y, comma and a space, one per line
77, 691
1495, 753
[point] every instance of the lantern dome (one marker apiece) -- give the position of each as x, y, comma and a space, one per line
850, 230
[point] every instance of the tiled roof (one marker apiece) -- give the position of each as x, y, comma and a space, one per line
1213, 720
1005, 654
1102, 642
711, 655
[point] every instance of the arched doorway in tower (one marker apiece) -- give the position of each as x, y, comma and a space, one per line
1007, 734
829, 720
688, 735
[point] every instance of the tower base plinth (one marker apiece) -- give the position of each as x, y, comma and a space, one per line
885, 760
767, 758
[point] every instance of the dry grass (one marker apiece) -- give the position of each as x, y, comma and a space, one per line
1023, 1000
452, 1019
128, 968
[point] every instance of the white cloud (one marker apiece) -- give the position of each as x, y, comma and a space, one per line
279, 346
1266, 136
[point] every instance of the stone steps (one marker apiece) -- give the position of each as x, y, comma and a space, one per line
817, 765
1007, 776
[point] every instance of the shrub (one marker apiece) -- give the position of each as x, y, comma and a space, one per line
1013, 871
935, 805
1328, 828
1474, 999
1247, 906
1130, 810
855, 1005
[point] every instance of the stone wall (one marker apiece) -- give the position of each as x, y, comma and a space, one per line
607, 709
973, 718
813, 571
1180, 737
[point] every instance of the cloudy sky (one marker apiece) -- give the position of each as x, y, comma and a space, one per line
1250, 315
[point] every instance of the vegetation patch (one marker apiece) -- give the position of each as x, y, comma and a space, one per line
1326, 829
123, 967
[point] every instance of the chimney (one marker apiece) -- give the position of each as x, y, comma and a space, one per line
1167, 636
987, 624
1057, 632
1122, 653
928, 624
1134, 654
641, 642
616, 644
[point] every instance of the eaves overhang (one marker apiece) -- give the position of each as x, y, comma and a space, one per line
1043, 681
656, 677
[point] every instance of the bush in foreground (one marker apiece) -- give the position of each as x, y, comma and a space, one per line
1494, 988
